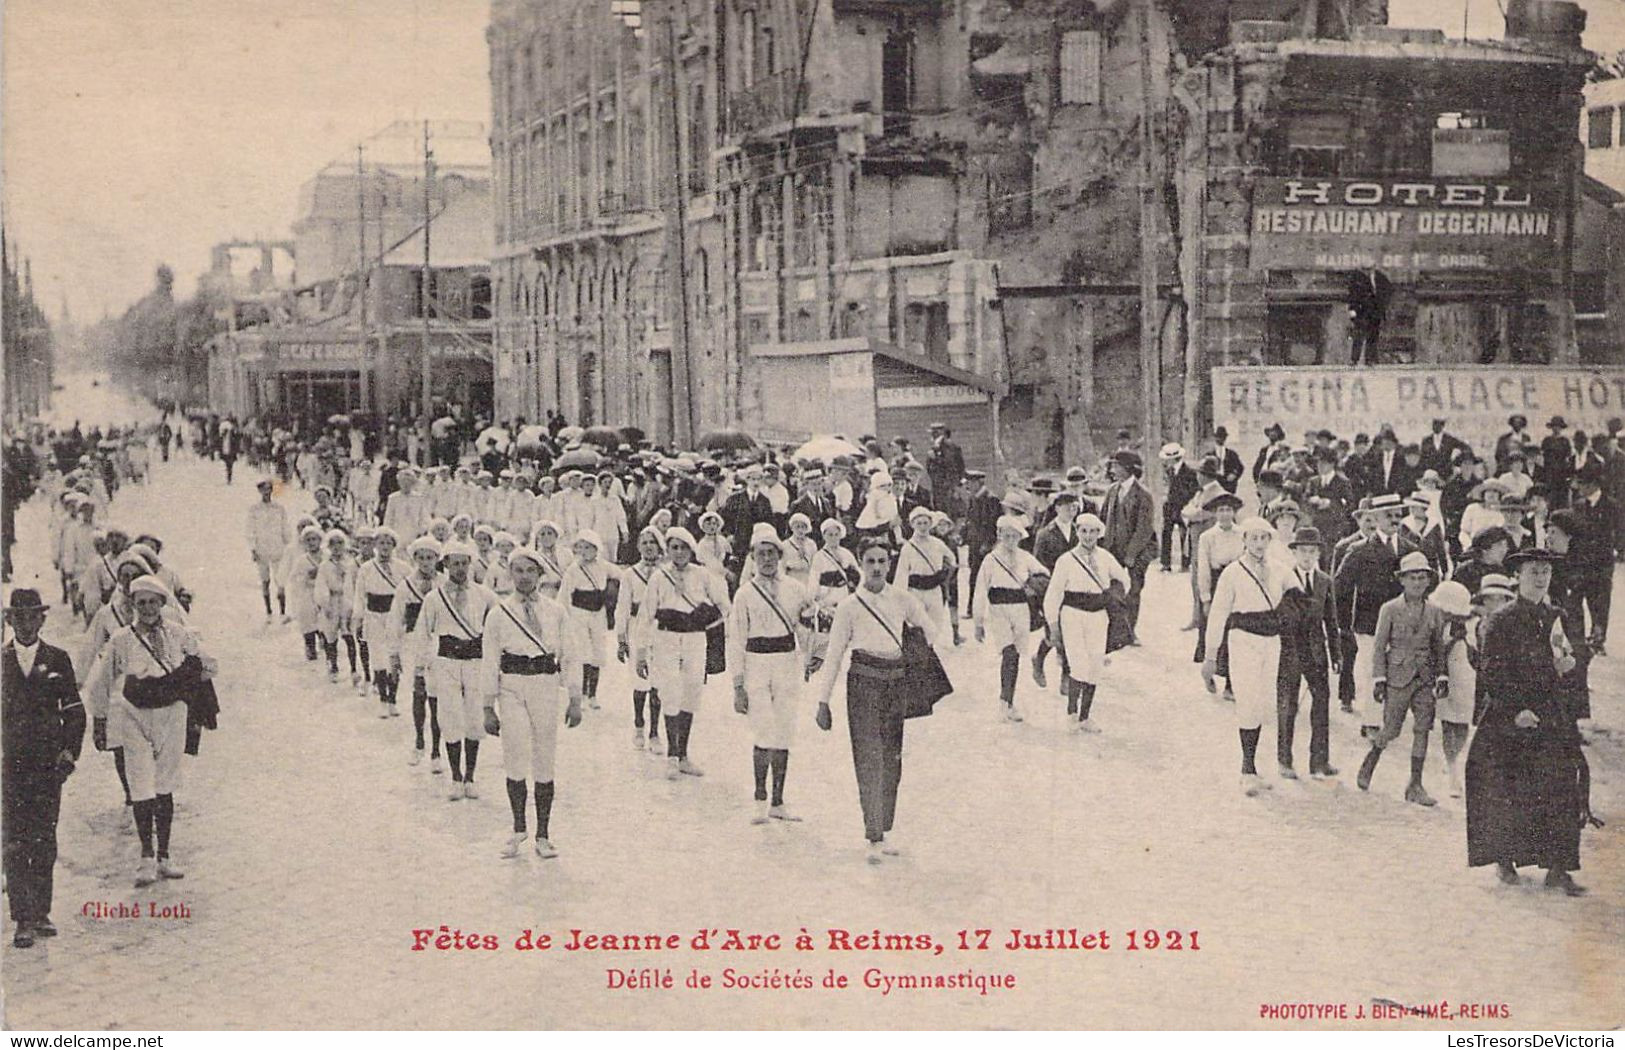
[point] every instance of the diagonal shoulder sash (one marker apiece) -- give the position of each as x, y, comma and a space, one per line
455, 615
1008, 570
537, 642
1085, 567
150, 652
774, 606
1261, 588
878, 619
385, 575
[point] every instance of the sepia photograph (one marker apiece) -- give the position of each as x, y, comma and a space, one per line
1098, 515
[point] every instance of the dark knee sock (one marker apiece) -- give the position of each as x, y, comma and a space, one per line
654, 715
1073, 688
282, 602
1417, 762
1009, 667
123, 775
674, 737
471, 757
420, 715
310, 646
759, 763
332, 649
516, 802
265, 592
780, 760
1249, 749
639, 697
349, 650
589, 680
164, 811
544, 808
143, 824
366, 658
1086, 699
454, 757
434, 727
685, 721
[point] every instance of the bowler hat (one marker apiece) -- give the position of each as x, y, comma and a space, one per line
1210, 467
1557, 423
26, 599
1126, 459
1275, 432
1516, 421
1308, 536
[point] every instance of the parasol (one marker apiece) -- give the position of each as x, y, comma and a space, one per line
578, 458
825, 447
568, 434
339, 420
492, 439
633, 435
442, 426
603, 437
727, 441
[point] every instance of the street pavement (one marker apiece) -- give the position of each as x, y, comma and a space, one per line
313, 852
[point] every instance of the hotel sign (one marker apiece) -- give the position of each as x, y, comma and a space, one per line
1403, 226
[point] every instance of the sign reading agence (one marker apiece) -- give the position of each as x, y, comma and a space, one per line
1475, 400
1403, 225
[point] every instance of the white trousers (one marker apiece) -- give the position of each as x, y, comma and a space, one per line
1007, 625
153, 739
936, 607
456, 686
1365, 703
773, 684
677, 669
528, 706
588, 630
1084, 635
1254, 663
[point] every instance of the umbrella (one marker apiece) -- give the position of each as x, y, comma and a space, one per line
340, 420
442, 426
603, 437
826, 447
728, 441
633, 435
492, 438
571, 433
577, 458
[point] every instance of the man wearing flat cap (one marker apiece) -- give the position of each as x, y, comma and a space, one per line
42, 722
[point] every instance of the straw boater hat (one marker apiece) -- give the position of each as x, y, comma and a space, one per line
1495, 584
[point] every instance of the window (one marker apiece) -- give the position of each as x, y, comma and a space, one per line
768, 62
1591, 294
1600, 128
1080, 68
479, 297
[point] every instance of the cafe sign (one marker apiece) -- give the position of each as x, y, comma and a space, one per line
1403, 226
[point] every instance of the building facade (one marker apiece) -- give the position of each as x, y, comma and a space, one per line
1062, 198
1604, 132
29, 357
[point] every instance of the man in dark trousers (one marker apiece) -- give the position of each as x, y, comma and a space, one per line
1230, 465
1365, 579
1592, 552
945, 463
1130, 526
982, 510
1309, 649
1182, 485
43, 729
811, 500
1275, 436
1329, 495
1369, 294
1556, 470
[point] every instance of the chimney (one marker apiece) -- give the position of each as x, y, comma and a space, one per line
1547, 24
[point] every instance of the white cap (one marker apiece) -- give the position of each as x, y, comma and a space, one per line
1014, 524
385, 532
423, 543
922, 512
545, 523
681, 535
151, 585
1452, 597
527, 553
336, 534
454, 548
1086, 520
588, 536
1255, 524
762, 533
310, 530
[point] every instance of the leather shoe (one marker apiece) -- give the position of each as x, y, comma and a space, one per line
23, 938
1507, 873
1562, 880
43, 928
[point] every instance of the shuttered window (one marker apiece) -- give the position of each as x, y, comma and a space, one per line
1080, 68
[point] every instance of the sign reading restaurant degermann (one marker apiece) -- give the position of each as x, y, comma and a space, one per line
1402, 225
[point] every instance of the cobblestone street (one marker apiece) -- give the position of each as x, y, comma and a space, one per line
313, 850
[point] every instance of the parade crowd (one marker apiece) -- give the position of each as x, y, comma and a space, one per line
487, 576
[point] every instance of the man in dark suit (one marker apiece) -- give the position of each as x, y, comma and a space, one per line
1389, 471
1592, 551
945, 463
982, 510
915, 492
1050, 542
1362, 583
747, 507
1130, 535
43, 728
1329, 495
1275, 450
1182, 485
1556, 470
1439, 449
1515, 438
1309, 649
1230, 465
812, 500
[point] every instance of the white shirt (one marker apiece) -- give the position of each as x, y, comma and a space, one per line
26, 655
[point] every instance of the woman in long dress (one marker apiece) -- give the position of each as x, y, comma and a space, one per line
1526, 800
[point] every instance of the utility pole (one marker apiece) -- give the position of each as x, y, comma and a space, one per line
1150, 313
682, 408
363, 271
425, 281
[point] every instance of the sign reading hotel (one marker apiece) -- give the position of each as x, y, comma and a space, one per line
1475, 401
1402, 225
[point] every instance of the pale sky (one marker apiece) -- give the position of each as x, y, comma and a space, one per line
145, 131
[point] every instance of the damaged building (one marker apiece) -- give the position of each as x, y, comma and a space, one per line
1044, 220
